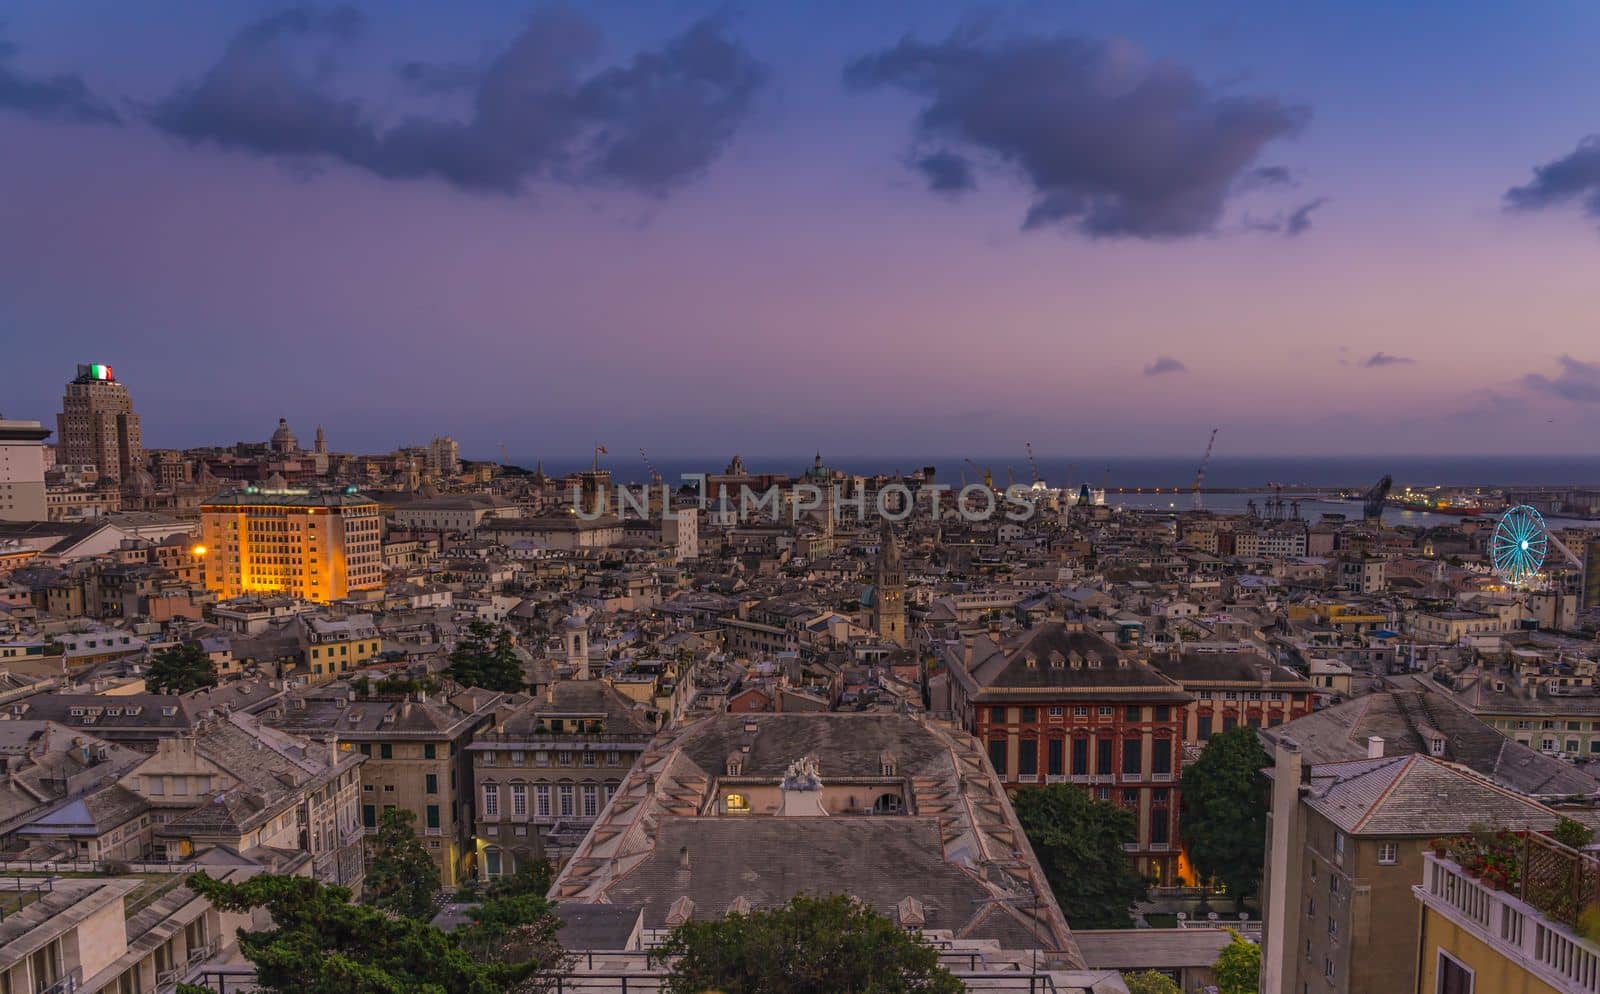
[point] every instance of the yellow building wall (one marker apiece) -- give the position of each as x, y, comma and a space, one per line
1492, 972
326, 660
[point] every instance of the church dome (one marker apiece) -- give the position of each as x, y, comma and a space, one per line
140, 482
283, 439
818, 471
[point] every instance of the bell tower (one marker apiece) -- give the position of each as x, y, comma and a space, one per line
575, 634
890, 594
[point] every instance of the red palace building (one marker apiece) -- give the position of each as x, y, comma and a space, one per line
1058, 704
1235, 688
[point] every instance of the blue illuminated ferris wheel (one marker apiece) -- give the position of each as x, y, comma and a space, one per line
1519, 544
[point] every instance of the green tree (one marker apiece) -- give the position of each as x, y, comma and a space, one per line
1079, 843
1238, 967
320, 943
1150, 982
484, 657
532, 877
1573, 833
514, 923
403, 877
812, 945
1225, 811
179, 669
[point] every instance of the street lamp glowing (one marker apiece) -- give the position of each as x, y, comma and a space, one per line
198, 551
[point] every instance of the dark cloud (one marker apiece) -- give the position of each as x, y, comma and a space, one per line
269, 92
1296, 223
1567, 178
948, 172
1300, 218
667, 115
650, 124
1165, 364
1265, 178
1578, 381
1378, 360
63, 97
433, 79
1109, 142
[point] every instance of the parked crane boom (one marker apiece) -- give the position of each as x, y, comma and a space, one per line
1200, 474
988, 477
1372, 502
655, 477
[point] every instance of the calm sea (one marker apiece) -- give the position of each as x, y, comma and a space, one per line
1147, 473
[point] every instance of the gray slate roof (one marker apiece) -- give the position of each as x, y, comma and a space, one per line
1152, 948
881, 861
95, 814
1417, 797
1404, 719
597, 926
1064, 662
960, 852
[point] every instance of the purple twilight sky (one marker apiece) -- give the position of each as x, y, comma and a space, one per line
1327, 227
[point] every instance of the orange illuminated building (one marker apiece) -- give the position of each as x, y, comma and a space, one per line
314, 546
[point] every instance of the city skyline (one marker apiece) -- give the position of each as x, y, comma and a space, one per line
774, 230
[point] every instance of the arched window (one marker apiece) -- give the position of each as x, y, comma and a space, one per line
888, 804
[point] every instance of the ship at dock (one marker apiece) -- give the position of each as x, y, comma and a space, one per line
1461, 506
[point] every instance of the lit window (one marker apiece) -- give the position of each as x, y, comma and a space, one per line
736, 804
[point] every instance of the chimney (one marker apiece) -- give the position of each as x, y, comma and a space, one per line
1374, 747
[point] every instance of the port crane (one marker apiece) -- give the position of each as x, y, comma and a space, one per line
988, 477
1373, 500
1033, 463
1200, 474
655, 477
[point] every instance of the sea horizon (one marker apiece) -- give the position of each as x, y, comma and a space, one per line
1331, 472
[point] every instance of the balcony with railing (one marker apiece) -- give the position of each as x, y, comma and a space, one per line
67, 984
1523, 898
